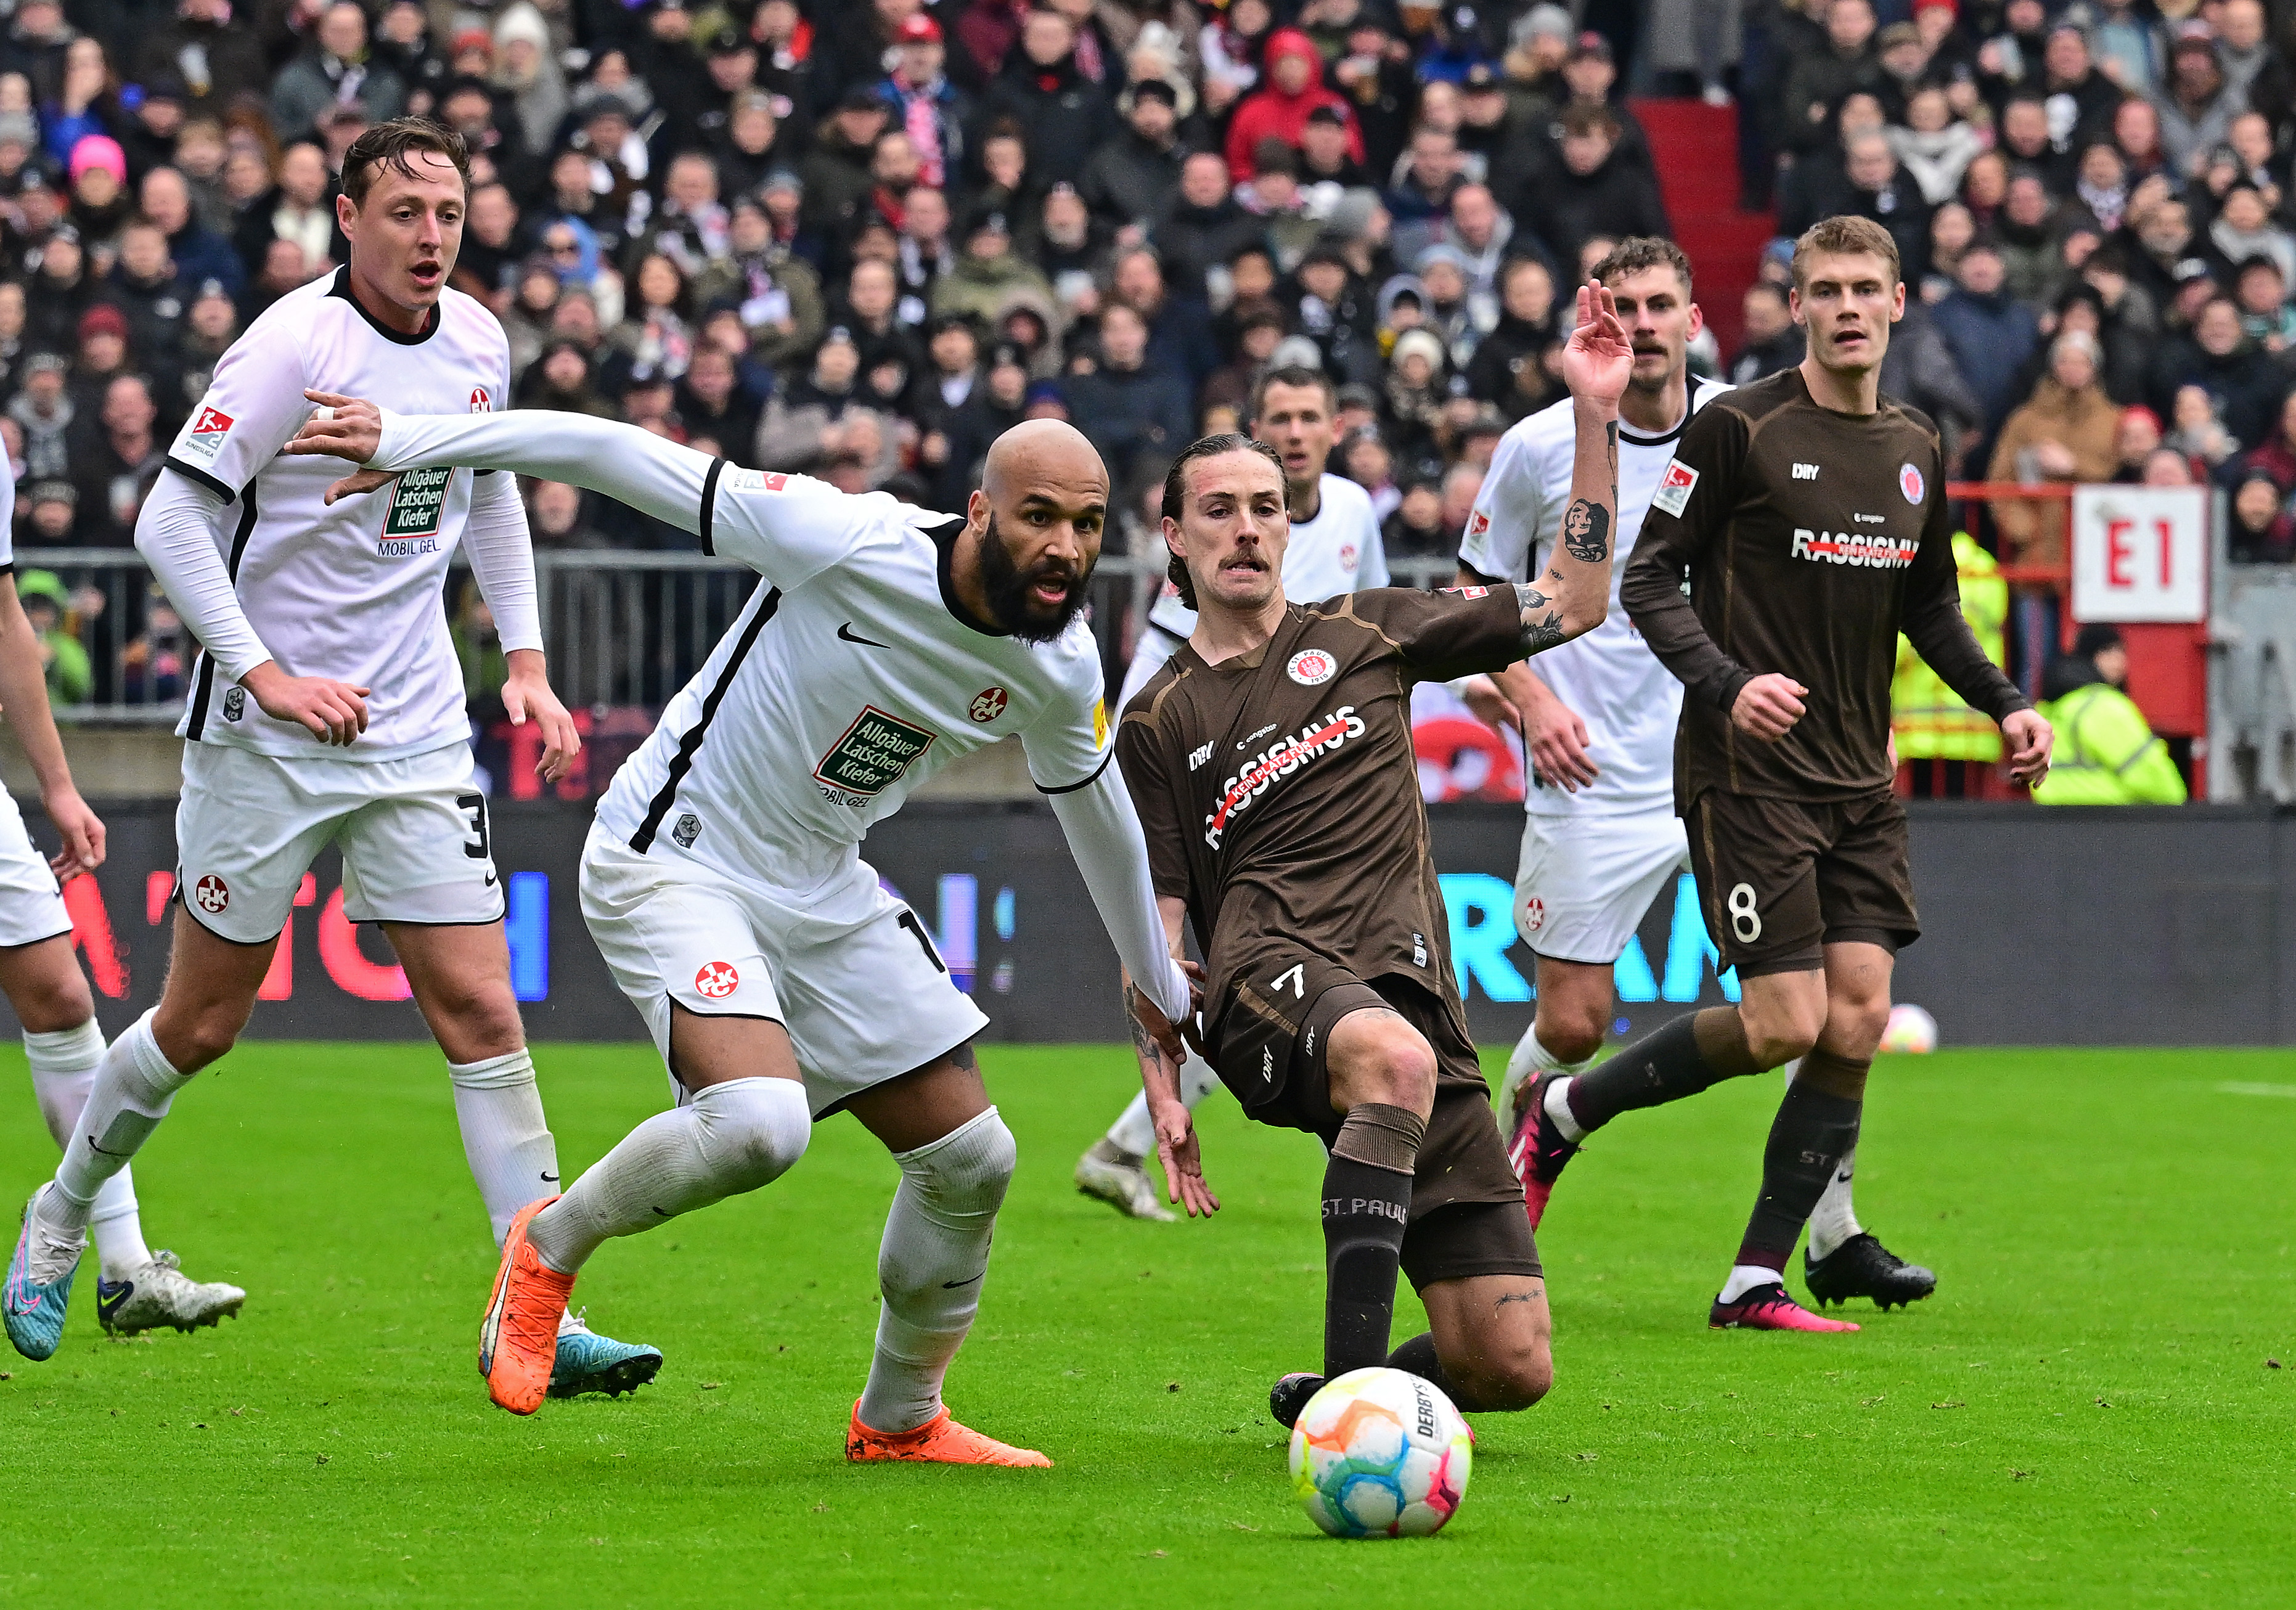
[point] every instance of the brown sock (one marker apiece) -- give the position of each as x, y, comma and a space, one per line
1684, 1057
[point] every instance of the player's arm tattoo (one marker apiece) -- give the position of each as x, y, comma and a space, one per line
1542, 621
1586, 526
1144, 1042
1586, 531
1535, 1291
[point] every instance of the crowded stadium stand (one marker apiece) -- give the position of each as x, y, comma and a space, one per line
860, 241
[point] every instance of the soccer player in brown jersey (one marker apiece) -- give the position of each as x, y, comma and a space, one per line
1808, 514
1271, 762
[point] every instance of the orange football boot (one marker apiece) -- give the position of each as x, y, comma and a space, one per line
518, 1341
939, 1441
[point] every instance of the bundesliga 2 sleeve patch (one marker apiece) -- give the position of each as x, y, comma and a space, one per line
203, 434
1674, 488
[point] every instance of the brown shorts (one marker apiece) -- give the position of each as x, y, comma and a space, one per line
1467, 1215
1779, 879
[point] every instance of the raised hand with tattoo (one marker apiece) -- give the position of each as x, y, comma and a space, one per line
1574, 594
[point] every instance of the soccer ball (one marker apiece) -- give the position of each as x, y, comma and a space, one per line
1380, 1452
1909, 1030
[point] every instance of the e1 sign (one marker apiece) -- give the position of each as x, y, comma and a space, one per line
2140, 553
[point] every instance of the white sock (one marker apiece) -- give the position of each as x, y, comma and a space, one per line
1531, 1058
1747, 1276
932, 1265
505, 1135
1834, 1220
63, 1072
1558, 1108
1135, 1133
728, 1138
135, 1083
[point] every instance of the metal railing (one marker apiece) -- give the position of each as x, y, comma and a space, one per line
621, 628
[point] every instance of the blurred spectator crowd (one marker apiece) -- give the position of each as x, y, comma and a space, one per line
860, 240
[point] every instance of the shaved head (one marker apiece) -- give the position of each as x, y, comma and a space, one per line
1037, 520
1041, 450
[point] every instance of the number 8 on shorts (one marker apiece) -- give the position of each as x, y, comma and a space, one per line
1745, 921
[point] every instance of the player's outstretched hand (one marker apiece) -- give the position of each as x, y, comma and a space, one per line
1182, 1157
526, 694
331, 711
83, 832
1599, 358
2031, 741
344, 427
1769, 706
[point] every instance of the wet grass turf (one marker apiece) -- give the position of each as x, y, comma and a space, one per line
2084, 1414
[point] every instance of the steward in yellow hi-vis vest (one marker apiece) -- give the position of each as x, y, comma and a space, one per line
1930, 720
2106, 752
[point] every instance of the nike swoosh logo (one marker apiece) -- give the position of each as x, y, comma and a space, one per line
847, 634
100, 1151
490, 880
956, 1286
550, 1179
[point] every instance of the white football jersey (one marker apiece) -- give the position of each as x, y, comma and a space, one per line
852, 675
1339, 551
1628, 700
355, 592
8, 509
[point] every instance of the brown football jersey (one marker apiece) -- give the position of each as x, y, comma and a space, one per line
1279, 790
1810, 540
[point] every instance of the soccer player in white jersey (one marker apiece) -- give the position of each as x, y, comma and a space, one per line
328, 707
137, 1290
1335, 549
1600, 839
723, 879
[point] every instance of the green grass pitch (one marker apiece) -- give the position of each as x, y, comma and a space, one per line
2084, 1413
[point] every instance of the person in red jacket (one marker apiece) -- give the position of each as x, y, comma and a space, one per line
1295, 87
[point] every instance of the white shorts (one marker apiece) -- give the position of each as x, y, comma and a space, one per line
413, 832
31, 907
1586, 881
864, 1001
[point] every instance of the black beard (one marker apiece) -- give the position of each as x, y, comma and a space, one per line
1007, 585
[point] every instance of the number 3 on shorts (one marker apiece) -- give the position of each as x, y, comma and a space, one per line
1745, 921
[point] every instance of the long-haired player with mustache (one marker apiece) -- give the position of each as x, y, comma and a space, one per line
722, 879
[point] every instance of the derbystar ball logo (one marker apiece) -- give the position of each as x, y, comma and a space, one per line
716, 980
1675, 487
1278, 761
204, 438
